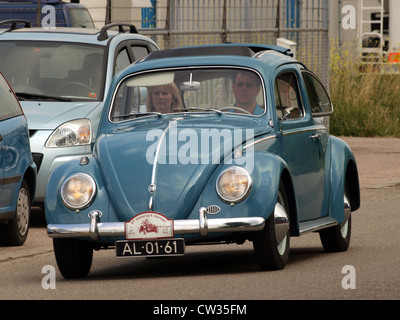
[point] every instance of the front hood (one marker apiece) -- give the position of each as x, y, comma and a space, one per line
49, 115
187, 156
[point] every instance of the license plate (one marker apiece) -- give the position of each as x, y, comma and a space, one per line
145, 248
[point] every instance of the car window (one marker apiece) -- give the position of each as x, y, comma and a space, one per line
139, 51
122, 60
9, 106
287, 98
319, 100
213, 90
53, 69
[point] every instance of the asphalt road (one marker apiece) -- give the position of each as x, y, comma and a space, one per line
368, 270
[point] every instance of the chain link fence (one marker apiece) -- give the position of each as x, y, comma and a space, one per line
176, 23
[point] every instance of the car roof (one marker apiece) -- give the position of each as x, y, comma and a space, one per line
254, 56
91, 36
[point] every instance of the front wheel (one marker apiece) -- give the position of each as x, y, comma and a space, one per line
271, 245
73, 256
337, 238
15, 232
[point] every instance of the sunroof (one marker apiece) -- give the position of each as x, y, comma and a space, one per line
202, 51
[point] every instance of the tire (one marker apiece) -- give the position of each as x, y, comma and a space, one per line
15, 232
337, 238
73, 256
272, 253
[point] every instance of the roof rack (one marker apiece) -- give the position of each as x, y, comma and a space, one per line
14, 22
103, 32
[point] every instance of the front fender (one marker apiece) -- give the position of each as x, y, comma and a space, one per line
57, 212
343, 170
266, 174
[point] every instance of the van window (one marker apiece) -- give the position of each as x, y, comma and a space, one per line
66, 14
80, 18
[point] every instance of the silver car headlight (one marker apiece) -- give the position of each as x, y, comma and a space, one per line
233, 184
78, 190
72, 133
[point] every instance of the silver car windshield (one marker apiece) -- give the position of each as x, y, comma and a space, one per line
214, 90
44, 70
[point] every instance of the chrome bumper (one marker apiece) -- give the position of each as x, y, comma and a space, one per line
95, 229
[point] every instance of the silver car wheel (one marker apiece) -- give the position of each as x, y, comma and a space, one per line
23, 211
344, 228
281, 224
271, 245
337, 238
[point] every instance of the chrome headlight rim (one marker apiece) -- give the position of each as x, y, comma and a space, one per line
88, 201
242, 196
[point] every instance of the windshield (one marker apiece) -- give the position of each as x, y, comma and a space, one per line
80, 18
40, 70
214, 90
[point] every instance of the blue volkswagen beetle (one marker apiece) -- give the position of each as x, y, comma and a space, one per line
210, 144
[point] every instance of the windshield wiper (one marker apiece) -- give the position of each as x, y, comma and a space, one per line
137, 115
35, 96
198, 109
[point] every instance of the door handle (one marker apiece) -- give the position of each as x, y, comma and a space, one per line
316, 137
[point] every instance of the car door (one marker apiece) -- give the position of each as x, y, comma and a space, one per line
302, 146
14, 142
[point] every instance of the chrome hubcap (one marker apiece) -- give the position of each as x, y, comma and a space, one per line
23, 211
281, 224
344, 227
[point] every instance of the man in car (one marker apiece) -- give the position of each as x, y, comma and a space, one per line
246, 87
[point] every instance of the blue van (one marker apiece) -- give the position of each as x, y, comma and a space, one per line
53, 13
17, 169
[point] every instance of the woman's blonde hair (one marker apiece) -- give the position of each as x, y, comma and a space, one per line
171, 88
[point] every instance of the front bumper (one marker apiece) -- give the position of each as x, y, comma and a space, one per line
95, 229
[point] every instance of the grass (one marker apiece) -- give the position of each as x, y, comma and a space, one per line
365, 104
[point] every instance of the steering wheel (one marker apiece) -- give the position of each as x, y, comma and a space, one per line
235, 108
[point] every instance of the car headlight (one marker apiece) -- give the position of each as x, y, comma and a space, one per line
72, 133
233, 184
78, 191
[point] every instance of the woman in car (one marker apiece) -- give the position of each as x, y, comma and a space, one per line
163, 99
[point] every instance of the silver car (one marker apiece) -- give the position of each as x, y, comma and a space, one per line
61, 77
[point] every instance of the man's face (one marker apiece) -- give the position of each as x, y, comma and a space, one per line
245, 90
